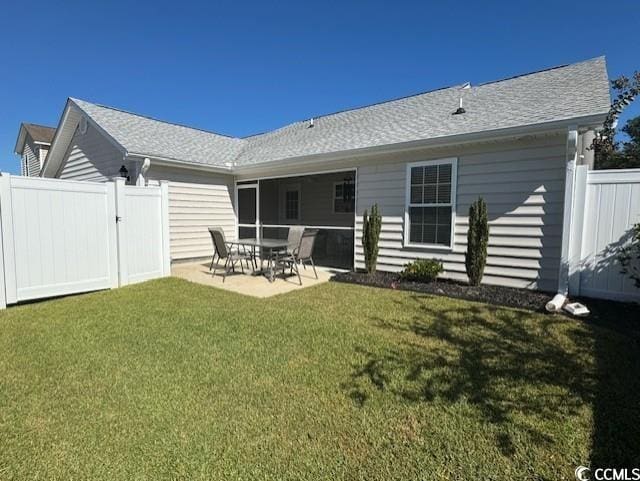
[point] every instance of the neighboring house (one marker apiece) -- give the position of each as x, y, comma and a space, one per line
423, 159
32, 146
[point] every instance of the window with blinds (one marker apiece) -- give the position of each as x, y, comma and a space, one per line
430, 203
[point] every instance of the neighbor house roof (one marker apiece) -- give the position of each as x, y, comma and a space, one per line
576, 91
39, 133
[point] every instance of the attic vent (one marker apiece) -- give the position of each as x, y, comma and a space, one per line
460, 109
83, 125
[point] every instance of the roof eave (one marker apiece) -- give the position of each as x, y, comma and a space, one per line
588, 121
169, 162
20, 141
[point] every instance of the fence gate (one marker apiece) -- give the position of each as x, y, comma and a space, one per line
608, 205
143, 232
61, 237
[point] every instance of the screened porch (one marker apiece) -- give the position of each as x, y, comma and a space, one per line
267, 207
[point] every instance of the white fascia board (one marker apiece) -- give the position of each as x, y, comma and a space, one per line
22, 138
168, 162
54, 143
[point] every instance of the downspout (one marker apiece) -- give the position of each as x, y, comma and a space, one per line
142, 173
560, 298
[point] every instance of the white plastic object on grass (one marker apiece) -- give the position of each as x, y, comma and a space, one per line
577, 309
555, 304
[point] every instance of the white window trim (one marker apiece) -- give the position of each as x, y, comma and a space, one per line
407, 202
333, 198
291, 188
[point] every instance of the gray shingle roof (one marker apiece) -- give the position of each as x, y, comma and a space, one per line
155, 138
40, 133
561, 93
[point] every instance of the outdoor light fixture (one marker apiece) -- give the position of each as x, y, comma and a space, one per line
124, 173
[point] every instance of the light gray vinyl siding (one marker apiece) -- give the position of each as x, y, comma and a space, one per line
197, 201
91, 156
523, 185
30, 161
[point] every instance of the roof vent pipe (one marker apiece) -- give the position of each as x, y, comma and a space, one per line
460, 109
311, 124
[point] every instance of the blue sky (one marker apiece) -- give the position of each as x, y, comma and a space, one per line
240, 68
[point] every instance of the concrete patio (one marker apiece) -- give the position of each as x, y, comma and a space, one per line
247, 284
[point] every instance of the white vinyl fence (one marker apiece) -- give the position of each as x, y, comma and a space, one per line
607, 205
62, 237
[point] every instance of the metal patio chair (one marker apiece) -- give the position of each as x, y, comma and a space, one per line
293, 241
300, 254
224, 252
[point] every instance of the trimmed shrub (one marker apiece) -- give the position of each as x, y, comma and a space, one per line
371, 225
423, 270
475, 258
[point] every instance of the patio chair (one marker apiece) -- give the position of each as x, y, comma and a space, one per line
244, 251
300, 254
224, 252
293, 240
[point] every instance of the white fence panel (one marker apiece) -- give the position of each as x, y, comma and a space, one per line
611, 208
57, 237
63, 237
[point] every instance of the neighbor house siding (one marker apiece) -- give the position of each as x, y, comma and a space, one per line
91, 156
197, 201
30, 161
523, 186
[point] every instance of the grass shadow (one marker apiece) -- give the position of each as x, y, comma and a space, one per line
519, 371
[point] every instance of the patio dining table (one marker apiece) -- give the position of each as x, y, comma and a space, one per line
265, 244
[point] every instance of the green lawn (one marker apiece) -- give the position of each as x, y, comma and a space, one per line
172, 380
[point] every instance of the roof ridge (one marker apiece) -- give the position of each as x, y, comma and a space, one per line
548, 69
362, 107
157, 120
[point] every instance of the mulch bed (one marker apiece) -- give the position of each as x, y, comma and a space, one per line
496, 295
623, 317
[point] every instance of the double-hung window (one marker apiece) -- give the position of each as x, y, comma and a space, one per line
430, 203
344, 196
292, 204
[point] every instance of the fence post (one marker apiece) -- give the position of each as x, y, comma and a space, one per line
121, 231
113, 234
9, 293
577, 228
164, 216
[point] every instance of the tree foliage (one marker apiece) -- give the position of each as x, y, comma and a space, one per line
477, 239
371, 225
629, 257
612, 154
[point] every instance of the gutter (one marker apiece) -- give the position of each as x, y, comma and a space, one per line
168, 162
